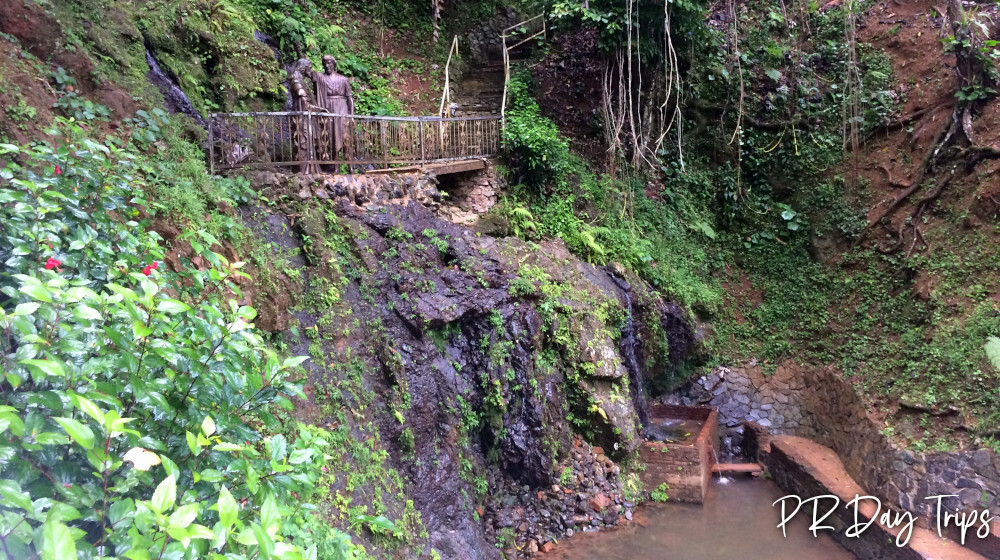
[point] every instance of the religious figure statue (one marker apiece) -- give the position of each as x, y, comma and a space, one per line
334, 95
330, 139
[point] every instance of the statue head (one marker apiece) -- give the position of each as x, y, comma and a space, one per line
329, 64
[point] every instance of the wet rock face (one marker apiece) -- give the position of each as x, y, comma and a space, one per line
478, 350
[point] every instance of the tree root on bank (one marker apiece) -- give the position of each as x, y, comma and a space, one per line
972, 71
894, 182
925, 164
903, 121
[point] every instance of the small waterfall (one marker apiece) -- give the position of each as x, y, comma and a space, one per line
723, 479
626, 345
174, 98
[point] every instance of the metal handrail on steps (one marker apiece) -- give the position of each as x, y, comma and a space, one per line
506, 34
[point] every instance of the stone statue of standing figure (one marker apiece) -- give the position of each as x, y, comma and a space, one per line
333, 95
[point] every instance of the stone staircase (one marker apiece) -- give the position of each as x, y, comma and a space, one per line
480, 90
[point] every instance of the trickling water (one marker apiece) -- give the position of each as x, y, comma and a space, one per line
173, 97
723, 479
626, 345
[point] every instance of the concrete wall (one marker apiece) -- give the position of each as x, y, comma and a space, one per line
817, 403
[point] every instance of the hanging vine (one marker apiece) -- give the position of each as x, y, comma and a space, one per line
437, 6
639, 121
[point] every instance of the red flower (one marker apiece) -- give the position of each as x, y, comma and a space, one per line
58, 170
155, 265
148, 270
53, 263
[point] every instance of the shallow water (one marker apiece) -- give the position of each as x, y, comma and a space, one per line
736, 522
673, 430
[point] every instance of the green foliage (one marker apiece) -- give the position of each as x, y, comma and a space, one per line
993, 351
660, 493
139, 414
534, 141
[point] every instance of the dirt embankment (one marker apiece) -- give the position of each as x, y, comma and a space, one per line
29, 90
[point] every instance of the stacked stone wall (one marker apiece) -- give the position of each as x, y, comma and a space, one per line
818, 403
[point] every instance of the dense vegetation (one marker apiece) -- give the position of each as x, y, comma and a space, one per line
760, 220
144, 416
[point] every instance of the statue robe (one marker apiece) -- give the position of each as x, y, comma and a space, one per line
333, 93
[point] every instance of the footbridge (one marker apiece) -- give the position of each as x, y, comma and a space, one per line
304, 141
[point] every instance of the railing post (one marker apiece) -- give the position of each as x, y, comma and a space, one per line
420, 125
385, 142
311, 150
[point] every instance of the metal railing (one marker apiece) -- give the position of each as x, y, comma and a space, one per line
513, 37
445, 109
307, 140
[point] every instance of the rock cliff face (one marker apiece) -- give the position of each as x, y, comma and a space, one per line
490, 364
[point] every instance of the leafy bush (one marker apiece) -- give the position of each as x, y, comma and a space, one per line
138, 417
533, 140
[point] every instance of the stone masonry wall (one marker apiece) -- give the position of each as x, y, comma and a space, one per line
483, 40
686, 468
459, 198
817, 403
469, 195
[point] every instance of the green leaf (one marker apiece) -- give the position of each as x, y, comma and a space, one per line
37, 291
26, 308
13, 496
80, 433
200, 532
208, 426
228, 511
253, 480
58, 543
264, 542
172, 306
88, 407
51, 438
707, 230
293, 361
165, 495
192, 442
279, 447
300, 456
50, 368
184, 516
269, 516
140, 329
773, 74
993, 351
87, 312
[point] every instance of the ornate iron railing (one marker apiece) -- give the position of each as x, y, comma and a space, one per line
307, 140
